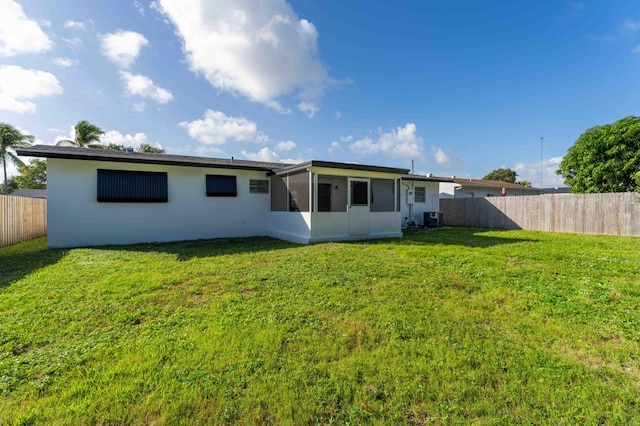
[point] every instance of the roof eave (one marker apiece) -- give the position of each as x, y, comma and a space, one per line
133, 159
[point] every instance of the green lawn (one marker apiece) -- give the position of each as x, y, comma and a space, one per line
440, 327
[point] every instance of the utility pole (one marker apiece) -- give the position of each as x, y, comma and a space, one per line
541, 142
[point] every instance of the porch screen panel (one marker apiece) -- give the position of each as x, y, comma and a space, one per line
279, 194
299, 192
382, 195
125, 186
332, 193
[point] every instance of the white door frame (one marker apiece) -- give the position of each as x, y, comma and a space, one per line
359, 213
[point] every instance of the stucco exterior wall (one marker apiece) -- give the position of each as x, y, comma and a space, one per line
416, 210
76, 218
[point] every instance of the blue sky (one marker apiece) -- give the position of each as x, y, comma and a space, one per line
460, 87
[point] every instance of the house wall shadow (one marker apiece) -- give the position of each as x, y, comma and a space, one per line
19, 260
186, 250
462, 236
477, 213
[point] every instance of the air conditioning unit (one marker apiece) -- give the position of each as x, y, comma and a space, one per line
433, 219
410, 196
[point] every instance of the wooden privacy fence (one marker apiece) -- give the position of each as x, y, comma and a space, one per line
612, 213
21, 219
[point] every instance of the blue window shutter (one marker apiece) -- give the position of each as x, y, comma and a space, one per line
124, 186
221, 186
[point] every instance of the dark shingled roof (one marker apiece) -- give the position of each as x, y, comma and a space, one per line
427, 178
74, 153
330, 164
493, 184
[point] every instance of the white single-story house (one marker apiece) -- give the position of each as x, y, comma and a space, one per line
100, 197
420, 196
478, 188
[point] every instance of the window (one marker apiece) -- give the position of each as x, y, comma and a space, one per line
221, 186
382, 195
259, 186
359, 193
124, 186
420, 196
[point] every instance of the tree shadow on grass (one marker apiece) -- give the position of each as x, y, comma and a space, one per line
19, 260
468, 237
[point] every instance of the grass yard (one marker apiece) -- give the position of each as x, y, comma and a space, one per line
441, 327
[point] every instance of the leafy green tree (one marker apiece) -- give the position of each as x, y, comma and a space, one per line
87, 136
503, 175
32, 175
114, 147
524, 183
142, 148
11, 186
604, 159
148, 148
10, 140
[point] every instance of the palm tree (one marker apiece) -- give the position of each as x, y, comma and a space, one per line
145, 147
11, 139
87, 136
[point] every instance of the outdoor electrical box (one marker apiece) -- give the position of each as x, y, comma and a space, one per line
410, 196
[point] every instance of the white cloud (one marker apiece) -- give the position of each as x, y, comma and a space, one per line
262, 137
630, 27
261, 51
285, 146
139, 7
402, 142
75, 25
139, 106
143, 86
71, 136
531, 172
338, 114
19, 85
216, 128
19, 34
128, 140
309, 108
293, 160
74, 43
123, 47
334, 145
65, 62
346, 138
441, 157
265, 154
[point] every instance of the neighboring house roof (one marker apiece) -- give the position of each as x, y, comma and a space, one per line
75, 153
30, 193
427, 178
493, 184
